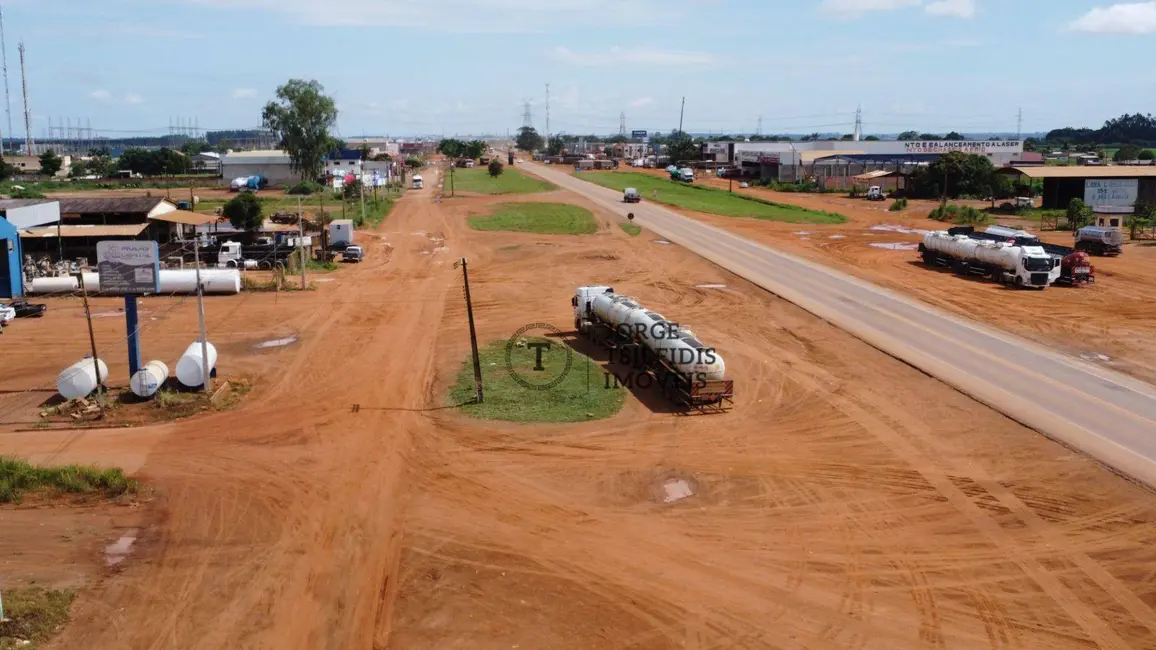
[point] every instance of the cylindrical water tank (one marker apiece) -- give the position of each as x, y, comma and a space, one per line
149, 379
91, 282
62, 284
215, 281
189, 368
79, 379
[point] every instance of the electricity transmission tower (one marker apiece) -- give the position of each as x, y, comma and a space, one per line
527, 117
622, 124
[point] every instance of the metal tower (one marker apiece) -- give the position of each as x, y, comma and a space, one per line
527, 117
7, 99
28, 143
858, 124
622, 124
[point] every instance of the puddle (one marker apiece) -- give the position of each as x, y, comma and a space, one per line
277, 343
803, 232
116, 552
837, 237
710, 286
1095, 356
676, 490
900, 229
440, 249
895, 246
661, 241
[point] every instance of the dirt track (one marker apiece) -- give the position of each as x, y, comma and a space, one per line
847, 501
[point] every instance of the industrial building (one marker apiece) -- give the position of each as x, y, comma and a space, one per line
17, 214
274, 165
82, 222
1111, 191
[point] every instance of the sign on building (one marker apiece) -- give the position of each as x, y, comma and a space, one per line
637, 135
966, 146
1111, 195
128, 268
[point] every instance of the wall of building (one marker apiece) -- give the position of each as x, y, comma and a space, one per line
11, 271
1059, 192
30, 216
276, 173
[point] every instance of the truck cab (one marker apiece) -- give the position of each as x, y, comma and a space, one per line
875, 193
418, 183
631, 195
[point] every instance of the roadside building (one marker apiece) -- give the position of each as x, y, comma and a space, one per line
343, 163
1110, 190
272, 164
30, 165
16, 214
85, 221
205, 162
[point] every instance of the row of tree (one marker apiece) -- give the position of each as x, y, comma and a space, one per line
1128, 129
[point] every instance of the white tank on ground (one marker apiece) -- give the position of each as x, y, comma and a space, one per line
79, 379
149, 379
190, 370
61, 284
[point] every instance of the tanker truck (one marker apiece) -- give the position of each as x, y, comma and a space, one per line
1100, 241
690, 374
1069, 266
1023, 266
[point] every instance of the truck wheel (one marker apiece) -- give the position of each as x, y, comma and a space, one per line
1019, 282
230, 264
928, 258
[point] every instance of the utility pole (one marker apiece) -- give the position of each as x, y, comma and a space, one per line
473, 332
759, 131
681, 111
301, 240
27, 116
91, 336
547, 118
7, 99
1020, 124
201, 316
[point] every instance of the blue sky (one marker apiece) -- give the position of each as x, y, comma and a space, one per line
466, 66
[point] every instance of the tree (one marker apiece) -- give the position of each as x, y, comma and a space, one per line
1126, 153
6, 171
100, 166
954, 136
78, 169
413, 162
301, 117
929, 137
908, 135
101, 152
1143, 217
495, 168
682, 148
170, 162
1079, 214
452, 149
138, 161
1147, 154
364, 149
556, 146
50, 163
474, 149
194, 147
871, 138
244, 211
954, 174
847, 137
528, 139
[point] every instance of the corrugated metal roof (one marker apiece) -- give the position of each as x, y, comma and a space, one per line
8, 204
266, 157
1084, 171
185, 217
812, 156
86, 231
110, 205
872, 175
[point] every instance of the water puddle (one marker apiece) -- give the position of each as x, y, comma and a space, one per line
803, 232
837, 237
900, 229
710, 286
676, 490
1095, 356
116, 552
277, 343
894, 246
661, 241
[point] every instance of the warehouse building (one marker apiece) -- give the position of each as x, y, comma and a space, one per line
85, 221
16, 214
1111, 191
272, 164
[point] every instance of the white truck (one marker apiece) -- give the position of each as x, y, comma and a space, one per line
418, 183
1100, 241
1021, 265
875, 193
340, 233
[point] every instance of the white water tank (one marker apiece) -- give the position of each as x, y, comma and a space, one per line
149, 379
190, 371
61, 284
79, 379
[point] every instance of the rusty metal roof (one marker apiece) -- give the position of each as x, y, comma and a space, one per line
131, 230
186, 217
1084, 171
111, 205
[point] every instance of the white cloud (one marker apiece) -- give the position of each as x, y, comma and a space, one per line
637, 56
100, 95
642, 101
133, 99
847, 9
244, 93
1124, 18
952, 8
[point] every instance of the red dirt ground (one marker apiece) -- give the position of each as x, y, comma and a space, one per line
847, 500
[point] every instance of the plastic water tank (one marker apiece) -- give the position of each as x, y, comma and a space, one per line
189, 368
149, 379
79, 379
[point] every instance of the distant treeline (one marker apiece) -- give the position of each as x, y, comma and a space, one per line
1138, 129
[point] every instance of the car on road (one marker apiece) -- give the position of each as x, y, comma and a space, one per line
353, 253
25, 309
631, 195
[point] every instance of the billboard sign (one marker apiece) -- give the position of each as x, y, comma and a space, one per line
1111, 195
128, 268
637, 135
966, 146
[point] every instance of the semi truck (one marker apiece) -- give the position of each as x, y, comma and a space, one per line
1098, 240
690, 374
1003, 261
262, 255
1069, 266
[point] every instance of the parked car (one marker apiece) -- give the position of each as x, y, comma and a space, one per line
7, 315
25, 309
631, 195
353, 253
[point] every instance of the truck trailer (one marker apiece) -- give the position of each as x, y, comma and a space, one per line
1069, 266
1100, 241
1023, 266
690, 374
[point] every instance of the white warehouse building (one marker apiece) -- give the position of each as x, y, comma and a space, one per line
272, 164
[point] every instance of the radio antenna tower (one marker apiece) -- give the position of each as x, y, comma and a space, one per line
7, 99
28, 143
622, 123
527, 117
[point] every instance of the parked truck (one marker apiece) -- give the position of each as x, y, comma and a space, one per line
1069, 265
262, 255
665, 354
340, 233
1023, 266
1098, 240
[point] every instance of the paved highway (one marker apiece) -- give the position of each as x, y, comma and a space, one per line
1107, 415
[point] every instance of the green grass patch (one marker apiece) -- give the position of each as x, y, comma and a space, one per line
630, 229
580, 397
511, 181
710, 200
538, 218
18, 478
962, 215
34, 616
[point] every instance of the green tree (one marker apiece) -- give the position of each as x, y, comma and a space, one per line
954, 136
6, 171
556, 146
495, 168
138, 161
413, 162
99, 166
301, 116
528, 139
908, 135
194, 147
452, 149
244, 211
78, 169
50, 163
1079, 214
1126, 153
871, 138
1147, 154
1142, 218
929, 137
364, 149
474, 149
682, 148
954, 174
170, 162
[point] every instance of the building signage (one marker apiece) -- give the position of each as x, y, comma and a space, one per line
966, 146
748, 156
638, 134
1111, 195
128, 268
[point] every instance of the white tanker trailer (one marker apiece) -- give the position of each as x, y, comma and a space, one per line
1024, 266
689, 372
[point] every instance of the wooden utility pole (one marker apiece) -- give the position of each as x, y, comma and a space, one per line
301, 242
473, 332
208, 385
91, 337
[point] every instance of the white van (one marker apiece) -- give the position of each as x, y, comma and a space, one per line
417, 182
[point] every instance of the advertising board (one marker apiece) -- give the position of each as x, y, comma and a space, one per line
1111, 195
128, 268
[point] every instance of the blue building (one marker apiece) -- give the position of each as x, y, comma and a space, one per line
16, 215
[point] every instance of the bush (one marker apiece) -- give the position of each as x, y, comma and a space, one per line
305, 188
1079, 214
244, 211
899, 205
958, 214
27, 193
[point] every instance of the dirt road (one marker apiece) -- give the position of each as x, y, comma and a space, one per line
848, 501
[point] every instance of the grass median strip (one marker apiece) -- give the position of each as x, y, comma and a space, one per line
538, 218
18, 477
511, 181
34, 615
708, 199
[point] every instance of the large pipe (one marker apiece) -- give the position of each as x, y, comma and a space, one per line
149, 379
190, 370
79, 379
173, 281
